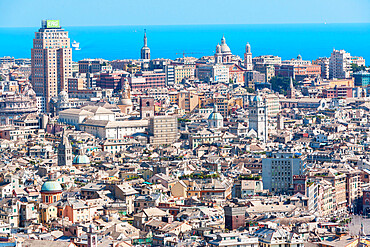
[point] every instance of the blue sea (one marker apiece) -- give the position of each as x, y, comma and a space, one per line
121, 42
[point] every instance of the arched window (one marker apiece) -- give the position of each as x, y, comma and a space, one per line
147, 103
299, 187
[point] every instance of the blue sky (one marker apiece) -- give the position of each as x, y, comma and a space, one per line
28, 13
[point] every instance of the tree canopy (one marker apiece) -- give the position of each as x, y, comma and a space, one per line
281, 84
356, 68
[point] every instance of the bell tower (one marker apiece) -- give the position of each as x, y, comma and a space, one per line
248, 58
64, 151
92, 238
145, 51
258, 118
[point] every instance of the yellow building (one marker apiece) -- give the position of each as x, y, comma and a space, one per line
47, 212
336, 83
184, 72
188, 100
174, 97
131, 68
179, 189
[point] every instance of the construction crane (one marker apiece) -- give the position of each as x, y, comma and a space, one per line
183, 53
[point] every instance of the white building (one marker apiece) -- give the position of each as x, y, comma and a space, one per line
105, 129
41, 105
339, 64
215, 73
75, 117
234, 239
279, 237
298, 61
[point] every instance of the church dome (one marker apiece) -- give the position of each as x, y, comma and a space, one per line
81, 159
224, 47
215, 116
127, 102
51, 186
63, 96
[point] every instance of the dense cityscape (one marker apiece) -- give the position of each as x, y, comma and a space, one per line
218, 150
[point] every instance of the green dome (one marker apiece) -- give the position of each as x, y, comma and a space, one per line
51, 186
215, 116
81, 160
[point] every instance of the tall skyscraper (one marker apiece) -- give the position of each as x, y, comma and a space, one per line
51, 58
339, 64
248, 64
145, 51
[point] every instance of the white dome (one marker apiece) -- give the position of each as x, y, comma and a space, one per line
63, 96
125, 102
224, 47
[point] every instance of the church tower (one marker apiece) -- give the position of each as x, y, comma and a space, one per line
92, 238
145, 51
64, 151
125, 103
248, 58
218, 54
291, 90
280, 122
258, 118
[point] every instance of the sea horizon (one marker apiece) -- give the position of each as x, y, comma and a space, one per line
209, 24
310, 40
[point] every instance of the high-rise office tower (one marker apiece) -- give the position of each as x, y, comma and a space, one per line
51, 58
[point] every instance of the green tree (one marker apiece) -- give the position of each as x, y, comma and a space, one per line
250, 90
355, 68
281, 84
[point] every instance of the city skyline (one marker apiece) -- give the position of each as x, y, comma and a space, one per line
27, 14
187, 123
